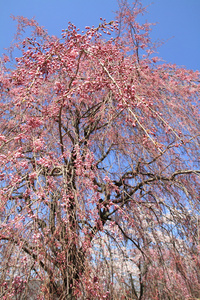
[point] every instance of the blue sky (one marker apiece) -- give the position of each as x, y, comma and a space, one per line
178, 22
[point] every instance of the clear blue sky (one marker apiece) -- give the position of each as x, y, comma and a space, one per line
178, 22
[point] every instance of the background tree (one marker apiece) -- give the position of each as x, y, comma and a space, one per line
99, 167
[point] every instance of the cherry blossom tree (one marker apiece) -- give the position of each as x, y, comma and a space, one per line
100, 166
